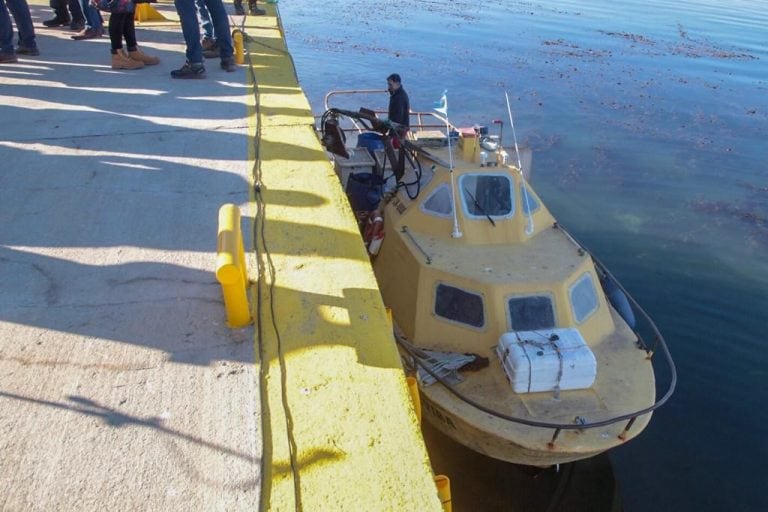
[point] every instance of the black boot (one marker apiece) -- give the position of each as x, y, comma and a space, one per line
253, 10
239, 8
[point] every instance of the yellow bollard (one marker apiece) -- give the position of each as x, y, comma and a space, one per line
443, 484
230, 267
237, 42
413, 388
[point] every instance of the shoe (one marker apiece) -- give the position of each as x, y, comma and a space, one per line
89, 33
77, 25
189, 70
211, 48
255, 11
57, 21
208, 42
239, 11
27, 50
140, 56
228, 64
121, 61
8, 58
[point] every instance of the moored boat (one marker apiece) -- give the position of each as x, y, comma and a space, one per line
525, 346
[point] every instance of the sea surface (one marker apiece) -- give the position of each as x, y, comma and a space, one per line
648, 122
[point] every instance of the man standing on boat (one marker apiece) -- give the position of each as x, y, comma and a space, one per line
399, 112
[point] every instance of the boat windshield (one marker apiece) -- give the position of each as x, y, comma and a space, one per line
486, 195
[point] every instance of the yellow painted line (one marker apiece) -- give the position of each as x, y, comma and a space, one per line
339, 429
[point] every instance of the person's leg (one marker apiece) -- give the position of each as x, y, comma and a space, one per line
94, 23
221, 27
92, 15
78, 18
20, 11
117, 21
190, 29
60, 14
129, 32
204, 18
7, 52
193, 67
254, 10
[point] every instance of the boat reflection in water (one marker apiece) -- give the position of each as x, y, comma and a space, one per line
525, 347
483, 483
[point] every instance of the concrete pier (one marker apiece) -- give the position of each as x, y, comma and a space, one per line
121, 387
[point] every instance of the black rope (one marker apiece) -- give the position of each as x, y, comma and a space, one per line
259, 233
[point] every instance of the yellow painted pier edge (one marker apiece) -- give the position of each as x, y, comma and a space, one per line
339, 429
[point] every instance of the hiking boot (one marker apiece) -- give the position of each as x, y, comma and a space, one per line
89, 33
228, 64
121, 61
77, 25
27, 50
57, 21
255, 11
211, 48
8, 58
140, 56
239, 8
189, 70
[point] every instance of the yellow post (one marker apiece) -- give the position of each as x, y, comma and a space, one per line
230, 266
413, 388
237, 42
443, 484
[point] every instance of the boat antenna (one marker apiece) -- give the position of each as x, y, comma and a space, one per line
529, 228
442, 107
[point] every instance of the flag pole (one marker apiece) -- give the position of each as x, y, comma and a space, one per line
529, 227
443, 109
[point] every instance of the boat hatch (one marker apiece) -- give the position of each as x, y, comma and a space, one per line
460, 306
531, 312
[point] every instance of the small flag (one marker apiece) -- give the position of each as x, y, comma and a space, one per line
442, 105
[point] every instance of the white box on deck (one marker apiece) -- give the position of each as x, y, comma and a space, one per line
543, 360
360, 160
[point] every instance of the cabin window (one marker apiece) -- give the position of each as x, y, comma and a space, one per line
583, 297
529, 202
531, 313
439, 202
487, 194
459, 306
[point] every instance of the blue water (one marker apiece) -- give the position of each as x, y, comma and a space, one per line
649, 125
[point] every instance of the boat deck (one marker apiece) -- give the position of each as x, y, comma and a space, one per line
547, 258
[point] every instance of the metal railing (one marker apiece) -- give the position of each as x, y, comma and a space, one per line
419, 116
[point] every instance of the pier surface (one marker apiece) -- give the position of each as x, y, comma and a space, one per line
121, 387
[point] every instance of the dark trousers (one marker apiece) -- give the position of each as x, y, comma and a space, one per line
60, 8
121, 24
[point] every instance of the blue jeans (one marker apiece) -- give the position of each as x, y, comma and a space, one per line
92, 15
191, 28
19, 9
204, 17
